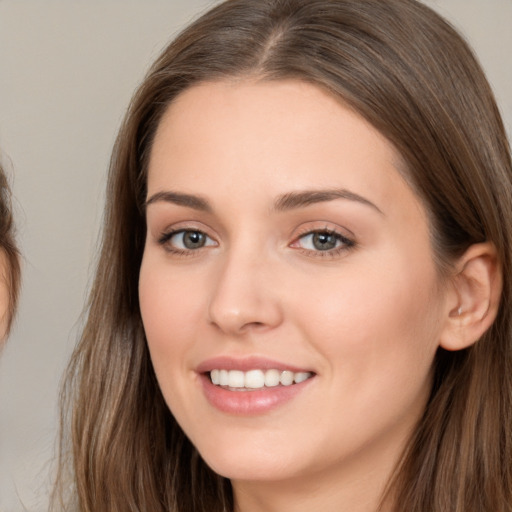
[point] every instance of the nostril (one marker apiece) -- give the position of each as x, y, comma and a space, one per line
253, 326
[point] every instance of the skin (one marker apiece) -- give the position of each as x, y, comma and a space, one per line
366, 317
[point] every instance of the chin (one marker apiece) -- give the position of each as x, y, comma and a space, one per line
251, 472
264, 465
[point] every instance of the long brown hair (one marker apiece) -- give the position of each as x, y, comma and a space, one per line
11, 274
407, 71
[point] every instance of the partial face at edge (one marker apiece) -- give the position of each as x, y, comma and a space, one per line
4, 295
282, 237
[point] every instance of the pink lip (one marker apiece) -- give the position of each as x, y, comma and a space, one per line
250, 402
245, 364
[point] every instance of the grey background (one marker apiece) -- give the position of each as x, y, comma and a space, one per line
67, 71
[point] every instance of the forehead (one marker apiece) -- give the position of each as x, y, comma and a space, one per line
279, 136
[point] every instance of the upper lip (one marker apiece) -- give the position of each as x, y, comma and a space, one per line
246, 363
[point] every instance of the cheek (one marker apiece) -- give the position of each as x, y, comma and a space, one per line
170, 308
378, 338
376, 325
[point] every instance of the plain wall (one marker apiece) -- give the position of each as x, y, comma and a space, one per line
67, 72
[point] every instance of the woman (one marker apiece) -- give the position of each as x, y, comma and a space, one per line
303, 296
9, 260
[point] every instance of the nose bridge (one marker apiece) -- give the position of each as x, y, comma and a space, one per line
244, 296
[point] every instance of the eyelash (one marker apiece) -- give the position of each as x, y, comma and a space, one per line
345, 243
165, 239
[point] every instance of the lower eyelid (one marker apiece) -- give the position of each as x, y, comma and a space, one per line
331, 254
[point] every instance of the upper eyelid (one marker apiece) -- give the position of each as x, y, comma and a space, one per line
169, 233
187, 225
329, 231
323, 226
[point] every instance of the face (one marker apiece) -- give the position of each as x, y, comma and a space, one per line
288, 291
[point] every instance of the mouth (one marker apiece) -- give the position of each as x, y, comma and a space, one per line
256, 379
252, 385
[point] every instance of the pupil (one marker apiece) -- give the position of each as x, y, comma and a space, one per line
193, 239
324, 241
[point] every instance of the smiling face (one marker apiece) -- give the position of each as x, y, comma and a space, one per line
283, 245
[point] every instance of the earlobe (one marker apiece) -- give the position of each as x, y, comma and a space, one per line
473, 304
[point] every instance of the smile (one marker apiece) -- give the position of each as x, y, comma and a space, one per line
256, 379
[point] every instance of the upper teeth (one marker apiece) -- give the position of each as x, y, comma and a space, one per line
255, 379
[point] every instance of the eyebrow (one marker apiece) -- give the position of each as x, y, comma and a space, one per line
188, 200
308, 197
286, 202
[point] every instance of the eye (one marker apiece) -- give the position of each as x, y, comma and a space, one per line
326, 241
186, 240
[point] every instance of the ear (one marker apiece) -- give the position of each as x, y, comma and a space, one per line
474, 297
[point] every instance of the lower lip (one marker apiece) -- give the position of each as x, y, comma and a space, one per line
250, 402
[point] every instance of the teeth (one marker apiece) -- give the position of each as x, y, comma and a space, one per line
215, 376
224, 378
236, 379
287, 378
301, 377
254, 379
272, 378
257, 379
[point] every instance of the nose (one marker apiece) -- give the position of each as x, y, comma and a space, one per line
246, 295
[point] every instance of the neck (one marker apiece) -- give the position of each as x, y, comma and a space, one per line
358, 488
